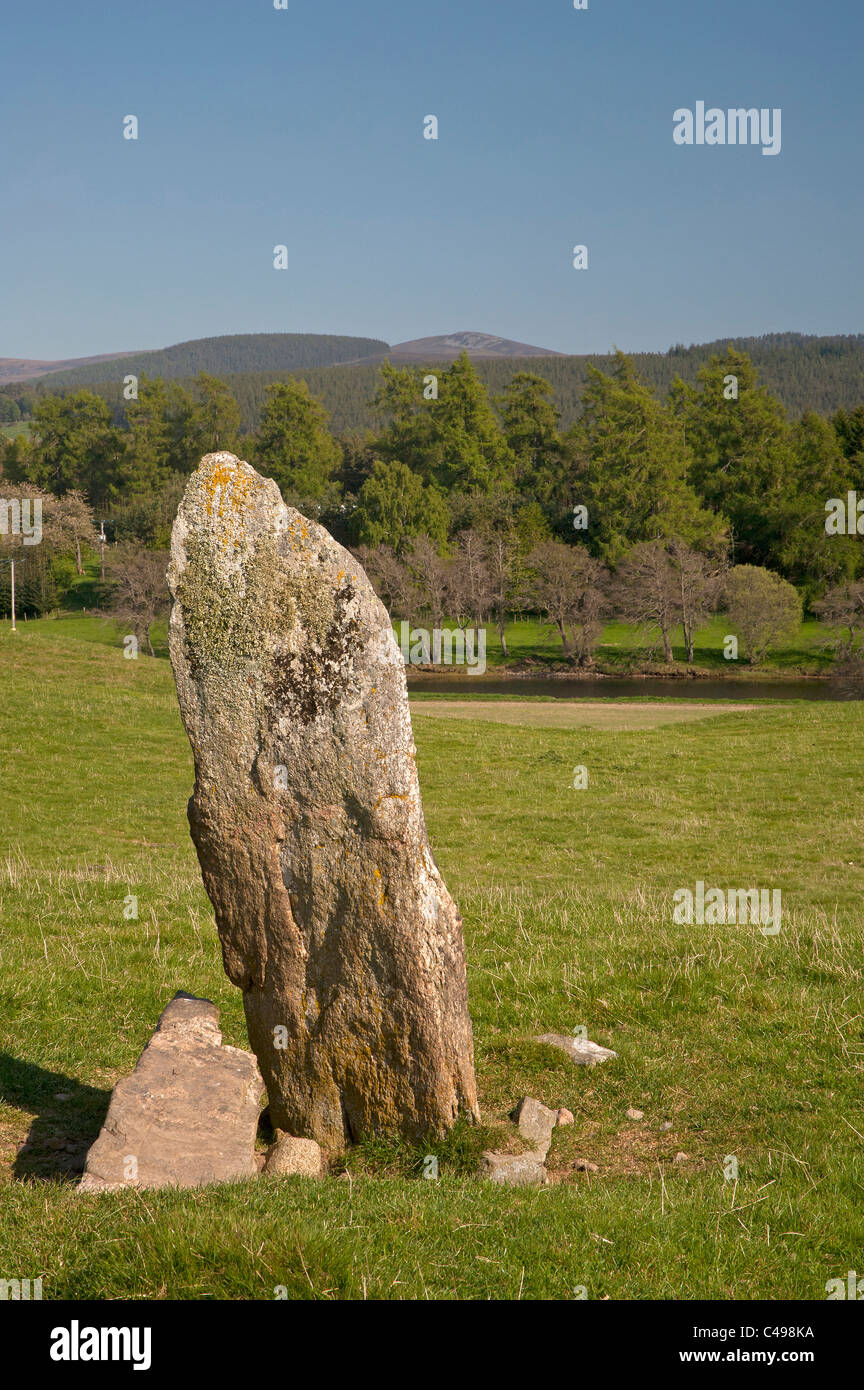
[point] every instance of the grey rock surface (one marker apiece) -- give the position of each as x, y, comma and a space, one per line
579, 1050
535, 1123
513, 1170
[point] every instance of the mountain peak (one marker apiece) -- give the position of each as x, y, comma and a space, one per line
448, 346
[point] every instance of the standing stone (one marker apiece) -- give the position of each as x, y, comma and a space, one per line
306, 815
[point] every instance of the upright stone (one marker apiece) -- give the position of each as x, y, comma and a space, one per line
306, 816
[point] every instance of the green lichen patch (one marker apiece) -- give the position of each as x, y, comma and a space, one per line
229, 620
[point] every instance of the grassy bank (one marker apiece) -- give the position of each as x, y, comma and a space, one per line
532, 648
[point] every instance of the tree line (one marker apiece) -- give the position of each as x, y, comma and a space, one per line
638, 494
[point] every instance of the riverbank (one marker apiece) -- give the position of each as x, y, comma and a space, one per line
532, 671
496, 685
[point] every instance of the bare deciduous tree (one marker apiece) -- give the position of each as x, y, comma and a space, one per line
699, 580
843, 607
390, 577
504, 566
431, 574
569, 586
72, 524
470, 589
646, 591
138, 592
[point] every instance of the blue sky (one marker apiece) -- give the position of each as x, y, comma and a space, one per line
304, 127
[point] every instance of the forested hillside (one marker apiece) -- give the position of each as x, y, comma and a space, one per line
823, 374
235, 352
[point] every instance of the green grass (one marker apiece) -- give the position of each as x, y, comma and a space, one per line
746, 1044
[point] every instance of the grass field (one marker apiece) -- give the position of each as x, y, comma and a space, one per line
746, 1044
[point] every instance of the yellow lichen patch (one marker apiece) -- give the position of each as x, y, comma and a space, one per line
376, 873
229, 498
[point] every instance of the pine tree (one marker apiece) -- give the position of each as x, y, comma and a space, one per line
743, 459
631, 463
293, 445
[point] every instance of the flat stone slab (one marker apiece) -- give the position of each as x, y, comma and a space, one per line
536, 1123
188, 1114
579, 1050
513, 1170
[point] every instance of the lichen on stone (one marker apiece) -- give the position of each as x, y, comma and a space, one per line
228, 618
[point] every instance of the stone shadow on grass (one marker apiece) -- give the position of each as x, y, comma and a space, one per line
67, 1118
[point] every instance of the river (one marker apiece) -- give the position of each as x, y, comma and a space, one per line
613, 687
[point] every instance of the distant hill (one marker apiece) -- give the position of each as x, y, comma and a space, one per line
263, 352
447, 347
236, 352
24, 368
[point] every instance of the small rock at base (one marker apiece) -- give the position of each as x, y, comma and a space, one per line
564, 1117
579, 1050
289, 1157
681, 1158
513, 1170
635, 1114
583, 1166
536, 1123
